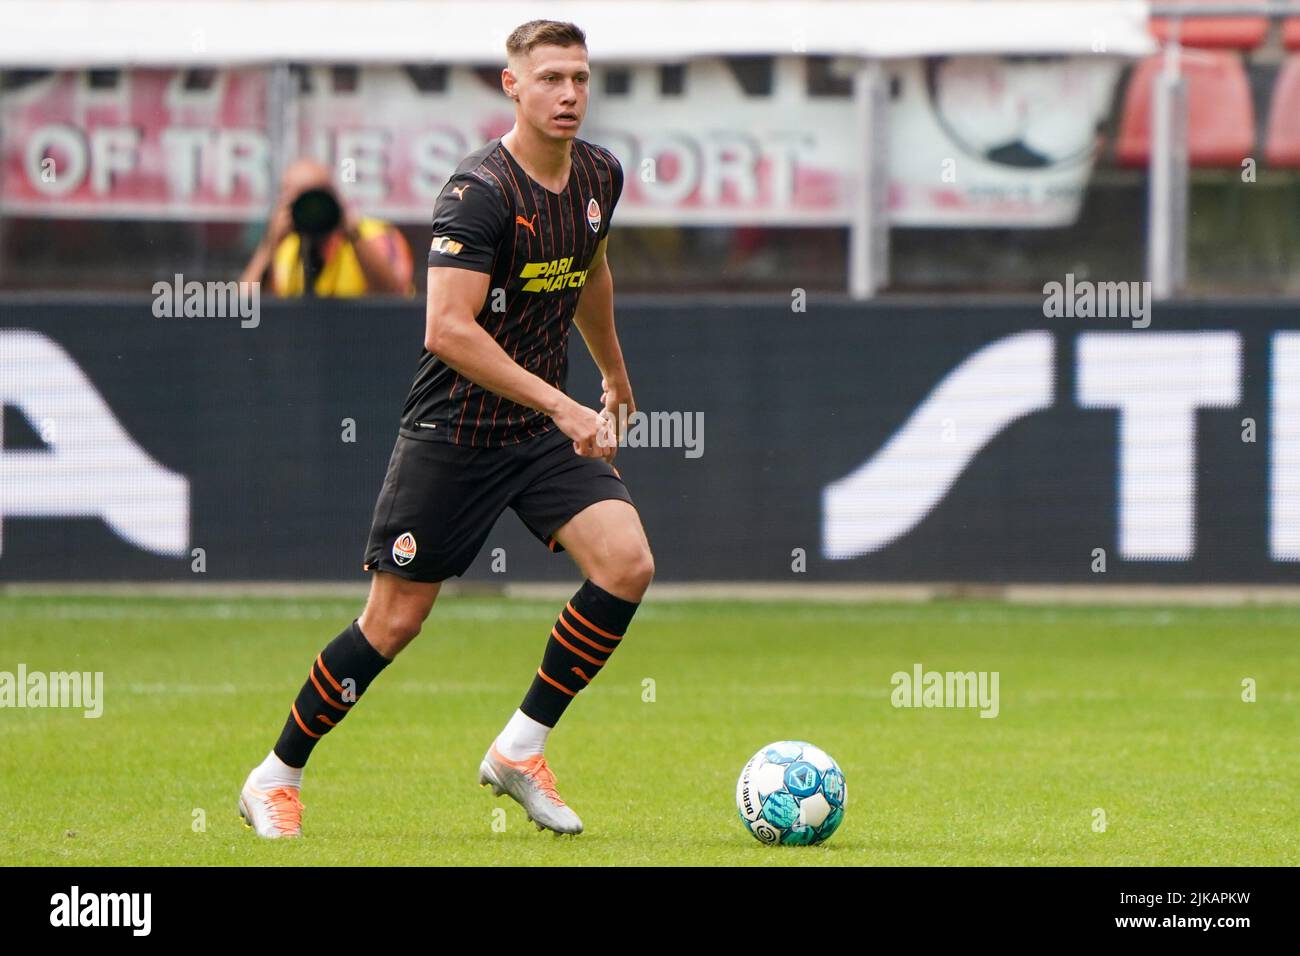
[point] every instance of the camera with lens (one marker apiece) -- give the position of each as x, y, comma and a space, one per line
316, 213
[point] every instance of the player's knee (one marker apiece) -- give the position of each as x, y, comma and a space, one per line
645, 569
405, 624
392, 628
631, 573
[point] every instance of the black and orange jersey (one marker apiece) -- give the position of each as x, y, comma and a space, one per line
536, 245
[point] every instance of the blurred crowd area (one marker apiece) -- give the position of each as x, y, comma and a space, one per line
1243, 239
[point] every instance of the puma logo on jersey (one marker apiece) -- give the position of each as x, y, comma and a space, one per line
460, 190
521, 221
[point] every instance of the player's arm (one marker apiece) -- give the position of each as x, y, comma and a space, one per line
469, 221
452, 333
594, 318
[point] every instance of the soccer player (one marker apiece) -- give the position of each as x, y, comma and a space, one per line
518, 253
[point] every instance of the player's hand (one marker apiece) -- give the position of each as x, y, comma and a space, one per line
589, 429
618, 403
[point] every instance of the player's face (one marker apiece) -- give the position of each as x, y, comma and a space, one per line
552, 87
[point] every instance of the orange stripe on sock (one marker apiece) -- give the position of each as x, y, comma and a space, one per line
602, 633
328, 676
586, 657
303, 727
582, 637
321, 690
558, 686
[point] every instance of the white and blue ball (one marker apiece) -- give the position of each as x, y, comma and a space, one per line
791, 792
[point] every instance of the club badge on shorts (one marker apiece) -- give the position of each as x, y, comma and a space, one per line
404, 549
593, 214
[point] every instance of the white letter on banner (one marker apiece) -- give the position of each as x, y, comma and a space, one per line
1158, 380
92, 467
1284, 449
888, 495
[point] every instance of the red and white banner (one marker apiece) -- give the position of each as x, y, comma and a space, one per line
973, 141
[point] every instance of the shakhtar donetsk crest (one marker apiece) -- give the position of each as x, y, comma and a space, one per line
593, 214
404, 548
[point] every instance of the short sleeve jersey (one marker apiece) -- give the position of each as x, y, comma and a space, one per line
536, 246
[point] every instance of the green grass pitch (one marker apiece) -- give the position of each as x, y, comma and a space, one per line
1134, 711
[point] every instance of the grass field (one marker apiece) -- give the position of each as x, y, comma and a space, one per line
1136, 711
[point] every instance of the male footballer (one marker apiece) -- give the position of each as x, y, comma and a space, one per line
518, 252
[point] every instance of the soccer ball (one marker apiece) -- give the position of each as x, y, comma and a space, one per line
791, 792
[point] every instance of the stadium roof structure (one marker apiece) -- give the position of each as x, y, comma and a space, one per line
71, 34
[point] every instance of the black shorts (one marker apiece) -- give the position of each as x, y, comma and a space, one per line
439, 501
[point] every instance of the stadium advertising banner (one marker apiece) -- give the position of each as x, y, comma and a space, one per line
846, 443
973, 140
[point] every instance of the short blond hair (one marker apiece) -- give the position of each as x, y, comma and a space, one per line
536, 33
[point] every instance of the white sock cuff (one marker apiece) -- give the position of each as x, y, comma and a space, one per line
522, 737
274, 772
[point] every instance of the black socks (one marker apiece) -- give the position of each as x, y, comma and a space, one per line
339, 676
588, 631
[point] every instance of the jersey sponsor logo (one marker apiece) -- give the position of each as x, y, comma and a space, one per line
553, 276
593, 214
447, 245
404, 549
521, 221
460, 190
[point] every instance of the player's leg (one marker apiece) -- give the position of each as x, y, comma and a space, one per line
578, 504
393, 615
609, 546
339, 675
422, 533
395, 611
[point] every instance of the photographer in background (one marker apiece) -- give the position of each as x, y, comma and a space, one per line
315, 246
